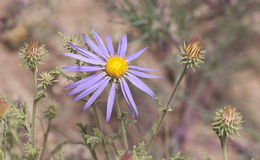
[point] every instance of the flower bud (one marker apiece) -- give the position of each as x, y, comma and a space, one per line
32, 54
227, 121
192, 53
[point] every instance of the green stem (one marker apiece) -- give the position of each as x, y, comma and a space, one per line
100, 128
166, 108
34, 107
45, 138
223, 146
122, 125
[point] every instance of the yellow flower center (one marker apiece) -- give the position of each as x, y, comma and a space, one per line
116, 67
193, 49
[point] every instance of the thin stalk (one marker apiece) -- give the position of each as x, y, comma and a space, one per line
100, 128
34, 107
122, 125
45, 138
166, 108
223, 146
166, 141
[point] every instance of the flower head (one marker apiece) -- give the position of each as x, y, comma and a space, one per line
109, 67
32, 54
192, 52
227, 121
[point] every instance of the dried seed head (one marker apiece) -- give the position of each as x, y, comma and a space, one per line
33, 49
32, 53
227, 121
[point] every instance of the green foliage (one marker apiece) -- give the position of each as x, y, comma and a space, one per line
21, 117
206, 157
146, 16
140, 153
59, 156
72, 39
30, 152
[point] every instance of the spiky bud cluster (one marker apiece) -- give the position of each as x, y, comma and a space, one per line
227, 121
192, 53
51, 111
71, 39
4, 107
47, 78
32, 53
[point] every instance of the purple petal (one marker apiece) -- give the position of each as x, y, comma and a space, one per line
110, 102
141, 68
84, 59
143, 75
123, 47
82, 68
119, 46
85, 52
93, 46
83, 80
101, 44
85, 85
140, 84
127, 101
135, 55
110, 45
129, 95
89, 90
96, 94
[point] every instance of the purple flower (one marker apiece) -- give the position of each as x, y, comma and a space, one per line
113, 68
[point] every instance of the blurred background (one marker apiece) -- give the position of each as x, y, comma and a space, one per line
230, 75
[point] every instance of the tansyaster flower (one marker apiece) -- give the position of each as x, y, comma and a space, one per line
108, 67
